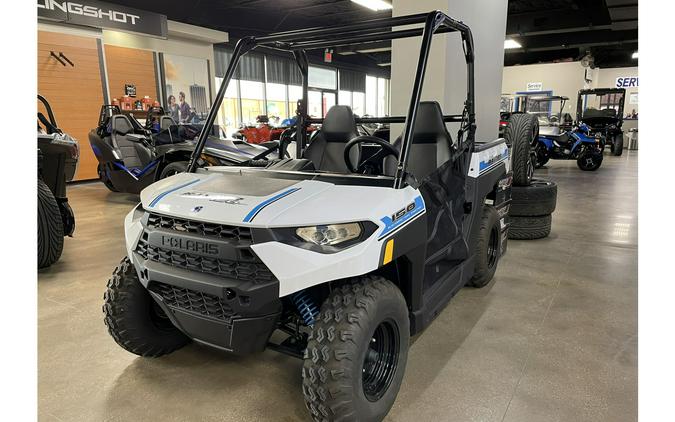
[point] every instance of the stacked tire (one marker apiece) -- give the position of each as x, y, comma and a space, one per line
531, 209
532, 200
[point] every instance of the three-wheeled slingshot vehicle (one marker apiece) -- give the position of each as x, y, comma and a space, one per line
347, 255
601, 109
559, 138
132, 155
58, 156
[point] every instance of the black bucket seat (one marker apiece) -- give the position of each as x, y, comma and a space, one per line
431, 144
129, 145
326, 150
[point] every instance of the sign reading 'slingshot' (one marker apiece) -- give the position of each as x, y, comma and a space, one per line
103, 15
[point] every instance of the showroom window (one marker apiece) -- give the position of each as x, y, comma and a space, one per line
276, 102
345, 98
371, 95
252, 101
322, 77
294, 94
352, 90
382, 97
271, 85
228, 117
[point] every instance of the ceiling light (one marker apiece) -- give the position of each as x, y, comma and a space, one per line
635, 55
374, 50
375, 5
511, 44
384, 64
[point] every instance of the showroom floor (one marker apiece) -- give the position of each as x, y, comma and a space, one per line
553, 338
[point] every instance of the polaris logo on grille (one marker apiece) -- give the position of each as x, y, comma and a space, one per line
190, 245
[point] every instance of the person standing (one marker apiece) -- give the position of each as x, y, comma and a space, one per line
173, 109
183, 108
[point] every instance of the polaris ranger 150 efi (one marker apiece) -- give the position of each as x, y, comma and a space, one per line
348, 256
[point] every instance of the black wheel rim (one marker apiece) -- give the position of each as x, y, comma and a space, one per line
381, 360
493, 247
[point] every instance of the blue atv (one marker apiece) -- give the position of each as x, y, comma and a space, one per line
559, 138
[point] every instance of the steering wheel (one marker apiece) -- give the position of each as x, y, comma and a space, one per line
386, 149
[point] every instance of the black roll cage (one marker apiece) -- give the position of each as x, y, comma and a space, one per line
600, 92
299, 41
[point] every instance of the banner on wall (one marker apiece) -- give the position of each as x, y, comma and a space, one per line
100, 14
188, 96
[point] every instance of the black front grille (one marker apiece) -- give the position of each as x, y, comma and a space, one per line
240, 270
219, 231
193, 301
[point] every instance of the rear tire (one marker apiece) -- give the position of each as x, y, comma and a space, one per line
134, 319
521, 133
357, 352
539, 198
173, 168
488, 248
618, 145
50, 227
528, 228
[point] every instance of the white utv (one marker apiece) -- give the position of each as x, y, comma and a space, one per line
347, 253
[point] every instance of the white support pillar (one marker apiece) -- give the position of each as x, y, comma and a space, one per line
445, 80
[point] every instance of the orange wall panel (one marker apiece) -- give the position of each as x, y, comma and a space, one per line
74, 92
130, 66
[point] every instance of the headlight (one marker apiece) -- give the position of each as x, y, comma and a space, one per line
331, 234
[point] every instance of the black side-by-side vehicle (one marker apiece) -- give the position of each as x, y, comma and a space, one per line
602, 119
58, 156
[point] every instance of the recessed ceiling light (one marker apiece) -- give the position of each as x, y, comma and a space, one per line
374, 50
635, 55
375, 5
384, 64
511, 44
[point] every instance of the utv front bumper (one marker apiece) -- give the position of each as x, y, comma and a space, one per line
209, 282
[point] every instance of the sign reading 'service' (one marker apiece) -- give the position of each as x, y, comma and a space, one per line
103, 15
627, 82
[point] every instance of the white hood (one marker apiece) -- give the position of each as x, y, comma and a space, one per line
245, 199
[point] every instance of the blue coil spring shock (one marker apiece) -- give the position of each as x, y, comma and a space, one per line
306, 307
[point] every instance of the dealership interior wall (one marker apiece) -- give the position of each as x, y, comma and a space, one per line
107, 60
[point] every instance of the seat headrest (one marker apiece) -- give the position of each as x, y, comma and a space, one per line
165, 122
429, 123
339, 124
121, 124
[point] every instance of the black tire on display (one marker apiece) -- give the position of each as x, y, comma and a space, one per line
521, 133
134, 319
50, 227
528, 228
618, 145
589, 160
357, 352
173, 168
487, 249
537, 199
106, 181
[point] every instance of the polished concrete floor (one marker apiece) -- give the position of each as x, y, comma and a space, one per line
553, 338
